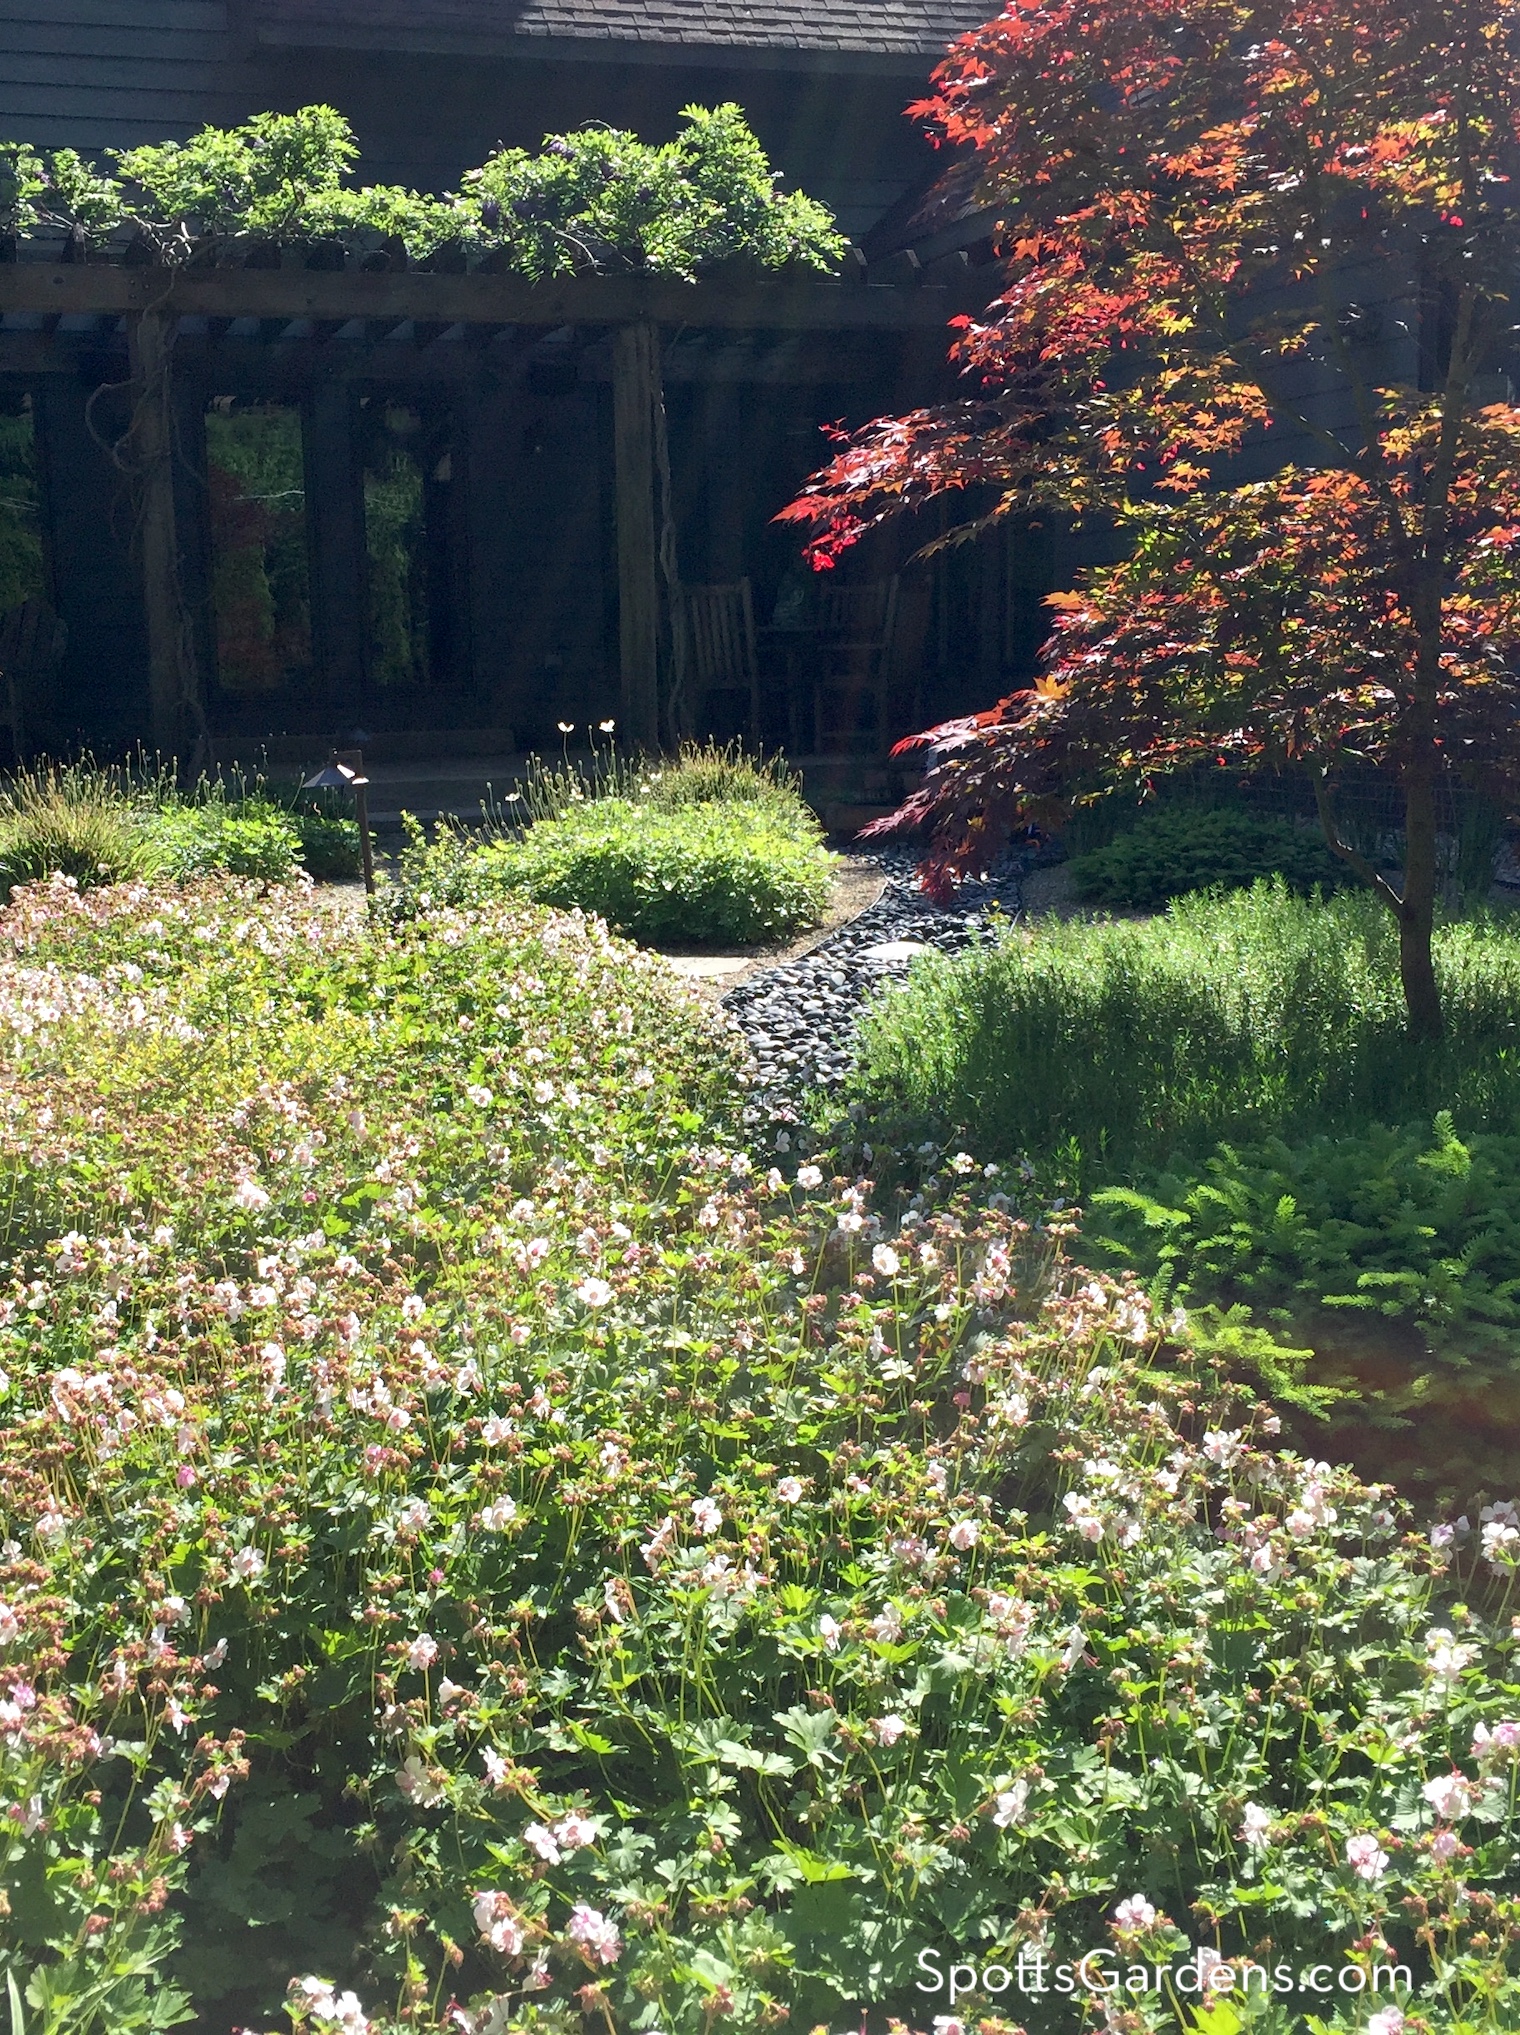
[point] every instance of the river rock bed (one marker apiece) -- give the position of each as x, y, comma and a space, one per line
799, 1018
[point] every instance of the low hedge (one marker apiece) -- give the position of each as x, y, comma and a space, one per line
1169, 854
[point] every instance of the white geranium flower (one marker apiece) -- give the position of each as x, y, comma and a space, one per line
1366, 1858
1008, 1804
417, 1784
596, 1935
1255, 1823
1450, 1795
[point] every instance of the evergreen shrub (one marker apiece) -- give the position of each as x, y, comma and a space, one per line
1170, 854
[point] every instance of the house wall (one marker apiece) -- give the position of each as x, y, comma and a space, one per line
96, 74
529, 509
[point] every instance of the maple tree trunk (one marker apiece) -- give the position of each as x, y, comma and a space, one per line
1417, 908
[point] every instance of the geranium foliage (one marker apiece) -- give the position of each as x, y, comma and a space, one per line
482, 1553
1210, 207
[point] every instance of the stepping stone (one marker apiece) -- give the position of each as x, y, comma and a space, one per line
707, 964
887, 952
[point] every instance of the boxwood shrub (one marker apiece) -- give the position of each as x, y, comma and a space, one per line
1169, 854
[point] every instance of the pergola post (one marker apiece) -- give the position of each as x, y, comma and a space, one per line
636, 396
174, 703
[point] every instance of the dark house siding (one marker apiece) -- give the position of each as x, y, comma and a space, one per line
94, 74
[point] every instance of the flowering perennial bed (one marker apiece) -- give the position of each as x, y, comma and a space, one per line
480, 1555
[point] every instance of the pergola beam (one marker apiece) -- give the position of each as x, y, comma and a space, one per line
428, 298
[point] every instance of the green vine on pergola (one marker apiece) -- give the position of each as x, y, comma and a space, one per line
598, 200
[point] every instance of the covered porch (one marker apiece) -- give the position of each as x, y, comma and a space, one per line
279, 506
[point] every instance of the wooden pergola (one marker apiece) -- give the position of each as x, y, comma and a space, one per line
439, 324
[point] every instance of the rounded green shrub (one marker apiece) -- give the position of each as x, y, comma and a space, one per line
701, 872
329, 846
1169, 854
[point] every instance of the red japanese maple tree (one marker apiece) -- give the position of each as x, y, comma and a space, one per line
1229, 228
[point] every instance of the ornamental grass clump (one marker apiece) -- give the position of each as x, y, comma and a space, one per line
71, 820
698, 774
712, 773
479, 1552
1118, 1046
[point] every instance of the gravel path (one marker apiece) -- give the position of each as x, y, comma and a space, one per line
799, 1018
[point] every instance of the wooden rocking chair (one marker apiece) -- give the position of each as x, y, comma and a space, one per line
713, 632
856, 631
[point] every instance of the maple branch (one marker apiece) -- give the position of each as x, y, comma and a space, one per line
1459, 371
1282, 405
1353, 859
1378, 479
1464, 134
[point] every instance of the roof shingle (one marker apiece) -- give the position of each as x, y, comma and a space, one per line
864, 28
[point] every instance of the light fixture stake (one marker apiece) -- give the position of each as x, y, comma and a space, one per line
344, 771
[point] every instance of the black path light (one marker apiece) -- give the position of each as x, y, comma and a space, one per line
345, 772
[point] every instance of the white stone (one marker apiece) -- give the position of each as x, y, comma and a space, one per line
885, 952
707, 964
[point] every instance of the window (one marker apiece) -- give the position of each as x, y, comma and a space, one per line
395, 535
21, 571
259, 592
